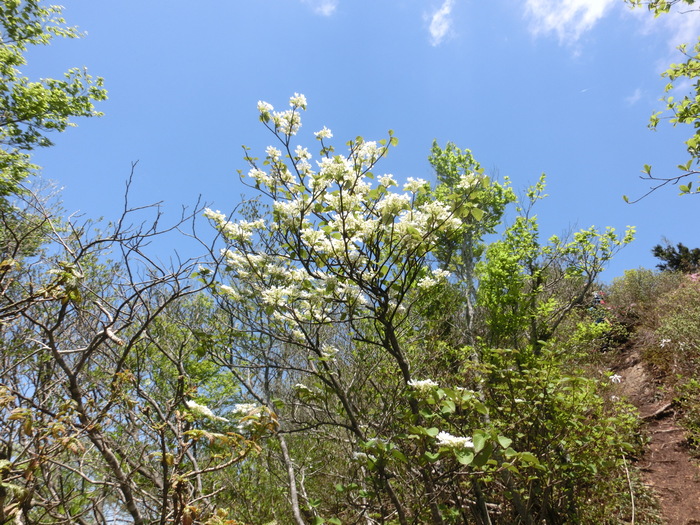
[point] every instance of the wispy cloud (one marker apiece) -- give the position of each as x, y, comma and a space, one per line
322, 7
441, 23
634, 97
568, 19
680, 26
683, 25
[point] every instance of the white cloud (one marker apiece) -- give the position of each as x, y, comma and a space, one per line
568, 19
634, 97
322, 7
683, 26
680, 26
441, 23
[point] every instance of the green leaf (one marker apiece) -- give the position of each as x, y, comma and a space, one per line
448, 407
509, 453
484, 456
431, 456
479, 440
504, 441
477, 213
529, 457
432, 431
399, 455
464, 456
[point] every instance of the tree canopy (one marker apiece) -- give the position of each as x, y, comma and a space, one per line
677, 258
30, 110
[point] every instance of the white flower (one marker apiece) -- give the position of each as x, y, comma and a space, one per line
244, 409
241, 230
215, 216
368, 151
425, 385
278, 295
264, 107
302, 153
260, 176
325, 133
467, 181
664, 342
387, 180
393, 203
448, 440
328, 351
287, 122
298, 101
426, 282
615, 378
230, 291
202, 410
437, 277
273, 152
441, 274
413, 185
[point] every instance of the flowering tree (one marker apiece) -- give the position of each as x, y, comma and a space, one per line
333, 277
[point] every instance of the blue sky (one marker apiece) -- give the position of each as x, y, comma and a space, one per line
563, 87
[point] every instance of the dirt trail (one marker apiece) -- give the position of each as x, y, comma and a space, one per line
666, 467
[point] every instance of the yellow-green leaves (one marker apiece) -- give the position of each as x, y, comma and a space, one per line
679, 108
30, 109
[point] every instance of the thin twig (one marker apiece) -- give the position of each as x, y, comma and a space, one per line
629, 484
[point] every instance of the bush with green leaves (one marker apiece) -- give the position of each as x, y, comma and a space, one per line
688, 399
632, 297
676, 352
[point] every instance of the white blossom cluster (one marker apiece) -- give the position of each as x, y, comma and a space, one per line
248, 414
244, 409
203, 411
328, 351
234, 231
423, 386
437, 276
341, 232
325, 133
444, 439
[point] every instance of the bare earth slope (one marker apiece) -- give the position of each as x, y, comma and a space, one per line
667, 466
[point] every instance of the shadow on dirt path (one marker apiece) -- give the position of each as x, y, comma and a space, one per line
667, 467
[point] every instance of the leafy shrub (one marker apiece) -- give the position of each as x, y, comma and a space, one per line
688, 398
632, 296
676, 352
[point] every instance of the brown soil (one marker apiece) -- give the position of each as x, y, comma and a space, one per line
667, 466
